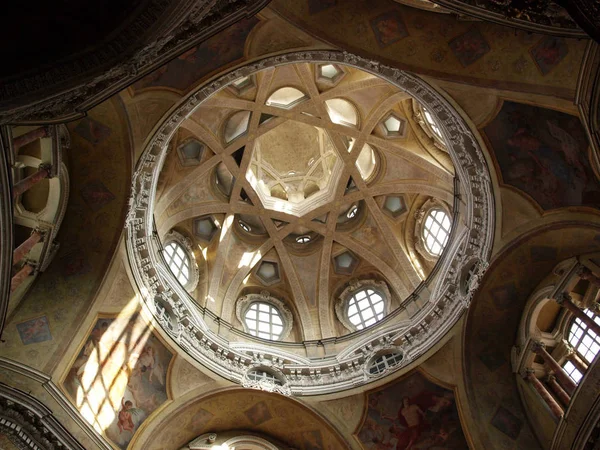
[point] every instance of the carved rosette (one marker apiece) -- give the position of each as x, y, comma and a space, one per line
437, 302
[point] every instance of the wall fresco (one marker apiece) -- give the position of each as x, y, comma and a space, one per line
544, 153
119, 377
413, 413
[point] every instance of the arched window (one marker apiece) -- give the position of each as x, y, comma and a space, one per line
179, 258
342, 112
436, 231
362, 303
286, 98
431, 123
385, 362
264, 320
365, 307
304, 239
259, 375
585, 342
178, 261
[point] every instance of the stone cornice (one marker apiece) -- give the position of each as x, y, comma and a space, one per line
66, 91
433, 308
501, 13
6, 224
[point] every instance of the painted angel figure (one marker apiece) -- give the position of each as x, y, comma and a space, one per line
126, 415
413, 418
148, 362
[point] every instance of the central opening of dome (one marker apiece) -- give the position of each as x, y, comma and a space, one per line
294, 168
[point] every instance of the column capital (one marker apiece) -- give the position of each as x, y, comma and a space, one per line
551, 377
47, 167
40, 230
537, 346
562, 298
583, 272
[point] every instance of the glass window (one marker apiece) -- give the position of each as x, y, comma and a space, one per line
178, 261
432, 124
264, 320
585, 342
572, 371
304, 239
365, 308
258, 375
436, 231
384, 362
285, 97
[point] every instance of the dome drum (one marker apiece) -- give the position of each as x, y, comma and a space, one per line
330, 364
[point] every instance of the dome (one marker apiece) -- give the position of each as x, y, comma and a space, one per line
308, 220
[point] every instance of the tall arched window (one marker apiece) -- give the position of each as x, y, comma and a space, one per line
436, 231
178, 261
585, 342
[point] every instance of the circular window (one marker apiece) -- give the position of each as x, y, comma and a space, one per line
178, 261
385, 362
436, 231
264, 320
365, 307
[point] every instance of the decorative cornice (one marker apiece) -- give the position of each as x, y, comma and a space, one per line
30, 425
6, 225
66, 91
534, 16
432, 309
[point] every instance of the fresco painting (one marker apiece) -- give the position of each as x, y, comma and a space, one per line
184, 71
412, 414
92, 130
544, 153
119, 377
316, 6
549, 52
507, 422
34, 331
388, 28
258, 413
469, 47
96, 194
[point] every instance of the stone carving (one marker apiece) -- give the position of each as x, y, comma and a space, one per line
434, 308
30, 425
185, 25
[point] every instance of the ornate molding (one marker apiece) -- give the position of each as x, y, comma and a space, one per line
424, 317
30, 425
537, 16
6, 224
67, 90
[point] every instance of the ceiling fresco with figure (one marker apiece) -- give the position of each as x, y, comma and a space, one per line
119, 377
545, 154
414, 412
99, 165
439, 45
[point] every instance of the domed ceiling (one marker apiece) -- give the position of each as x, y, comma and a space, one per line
302, 201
